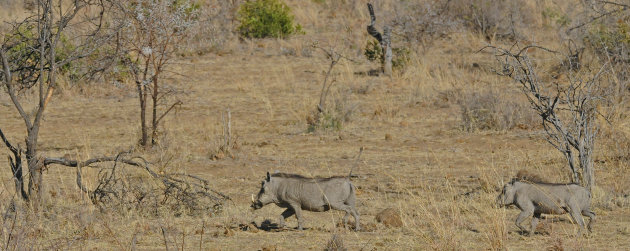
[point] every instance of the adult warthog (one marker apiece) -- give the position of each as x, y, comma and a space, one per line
547, 198
296, 193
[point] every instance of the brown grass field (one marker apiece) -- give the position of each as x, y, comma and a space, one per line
418, 159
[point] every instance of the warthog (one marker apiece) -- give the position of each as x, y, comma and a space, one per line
547, 198
296, 193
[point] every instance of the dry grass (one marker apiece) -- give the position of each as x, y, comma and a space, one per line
417, 158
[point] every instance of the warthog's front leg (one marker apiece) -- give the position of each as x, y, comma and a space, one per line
576, 215
286, 214
522, 217
591, 217
298, 214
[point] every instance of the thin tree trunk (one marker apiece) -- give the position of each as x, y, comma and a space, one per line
586, 163
154, 123
387, 51
384, 40
35, 185
568, 154
142, 95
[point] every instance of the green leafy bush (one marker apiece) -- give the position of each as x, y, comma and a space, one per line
266, 18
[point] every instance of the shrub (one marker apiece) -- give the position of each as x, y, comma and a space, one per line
611, 40
400, 59
266, 18
335, 115
496, 19
335, 244
486, 110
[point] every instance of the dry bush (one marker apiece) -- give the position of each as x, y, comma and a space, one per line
214, 29
143, 190
496, 19
331, 115
487, 110
422, 22
335, 244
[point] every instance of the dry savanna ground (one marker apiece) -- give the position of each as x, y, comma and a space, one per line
441, 179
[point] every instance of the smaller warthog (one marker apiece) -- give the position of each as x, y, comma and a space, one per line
535, 198
296, 193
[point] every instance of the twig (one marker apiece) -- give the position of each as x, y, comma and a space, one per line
356, 162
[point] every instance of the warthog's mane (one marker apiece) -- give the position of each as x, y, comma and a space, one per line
304, 178
525, 176
542, 183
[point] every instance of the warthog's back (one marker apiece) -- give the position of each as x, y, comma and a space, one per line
552, 198
313, 194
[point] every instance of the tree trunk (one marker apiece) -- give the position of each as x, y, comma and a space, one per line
568, 154
143, 111
154, 124
35, 185
384, 40
387, 51
586, 163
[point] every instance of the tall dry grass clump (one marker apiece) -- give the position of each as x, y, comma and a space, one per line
335, 244
487, 110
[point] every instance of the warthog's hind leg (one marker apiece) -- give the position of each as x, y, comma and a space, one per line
345, 219
286, 214
349, 210
591, 215
355, 214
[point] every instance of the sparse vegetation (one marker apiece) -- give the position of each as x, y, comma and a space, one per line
400, 59
488, 110
150, 34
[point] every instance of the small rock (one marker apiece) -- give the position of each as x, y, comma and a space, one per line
390, 217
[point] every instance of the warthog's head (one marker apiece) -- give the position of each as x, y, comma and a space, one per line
266, 195
507, 195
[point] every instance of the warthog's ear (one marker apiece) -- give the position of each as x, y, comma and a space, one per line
268, 177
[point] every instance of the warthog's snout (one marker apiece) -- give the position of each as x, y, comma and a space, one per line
499, 202
256, 204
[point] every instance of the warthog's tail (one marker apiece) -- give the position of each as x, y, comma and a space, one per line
356, 162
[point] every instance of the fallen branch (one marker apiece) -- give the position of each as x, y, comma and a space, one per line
178, 189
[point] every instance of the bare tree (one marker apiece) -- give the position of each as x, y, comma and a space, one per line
29, 58
568, 109
383, 39
335, 57
152, 32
